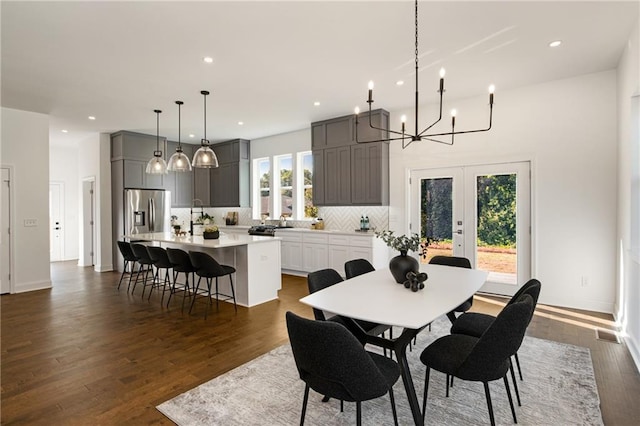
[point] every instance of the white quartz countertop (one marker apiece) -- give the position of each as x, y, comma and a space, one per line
314, 231
225, 240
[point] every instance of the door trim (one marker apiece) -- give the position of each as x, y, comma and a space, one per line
12, 269
409, 192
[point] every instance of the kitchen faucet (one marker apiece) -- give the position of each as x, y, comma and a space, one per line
193, 204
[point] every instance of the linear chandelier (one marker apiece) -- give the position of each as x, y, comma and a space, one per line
408, 138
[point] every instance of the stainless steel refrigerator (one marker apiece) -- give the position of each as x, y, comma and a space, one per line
146, 210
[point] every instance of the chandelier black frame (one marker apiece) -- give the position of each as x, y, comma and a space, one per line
408, 138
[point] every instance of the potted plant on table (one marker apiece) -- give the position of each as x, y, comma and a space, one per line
211, 232
402, 264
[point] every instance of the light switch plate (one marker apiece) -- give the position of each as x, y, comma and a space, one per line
30, 222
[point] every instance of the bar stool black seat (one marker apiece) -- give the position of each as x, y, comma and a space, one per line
161, 261
145, 266
181, 263
130, 260
207, 267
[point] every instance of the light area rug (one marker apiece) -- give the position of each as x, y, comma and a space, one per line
558, 389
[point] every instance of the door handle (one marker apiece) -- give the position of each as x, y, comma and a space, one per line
57, 228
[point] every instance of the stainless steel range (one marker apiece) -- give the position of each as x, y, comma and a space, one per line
265, 230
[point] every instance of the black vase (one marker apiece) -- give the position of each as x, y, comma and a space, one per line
402, 264
214, 235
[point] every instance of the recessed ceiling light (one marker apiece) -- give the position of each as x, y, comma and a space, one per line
555, 43
65, 131
399, 82
240, 123
91, 117
191, 135
208, 59
316, 103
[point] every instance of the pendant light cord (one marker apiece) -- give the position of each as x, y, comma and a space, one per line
158, 153
205, 140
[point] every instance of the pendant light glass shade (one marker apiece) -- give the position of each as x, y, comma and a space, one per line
157, 165
179, 162
204, 157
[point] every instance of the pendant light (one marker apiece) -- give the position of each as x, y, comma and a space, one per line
179, 162
157, 165
204, 157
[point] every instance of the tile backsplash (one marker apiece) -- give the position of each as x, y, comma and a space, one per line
335, 218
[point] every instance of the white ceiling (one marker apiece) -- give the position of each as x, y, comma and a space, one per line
118, 61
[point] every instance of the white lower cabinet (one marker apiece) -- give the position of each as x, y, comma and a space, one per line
304, 251
315, 257
291, 250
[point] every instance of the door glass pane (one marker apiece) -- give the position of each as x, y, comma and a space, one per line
436, 215
496, 227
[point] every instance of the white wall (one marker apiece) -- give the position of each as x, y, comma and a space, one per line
94, 155
63, 167
25, 147
628, 232
567, 128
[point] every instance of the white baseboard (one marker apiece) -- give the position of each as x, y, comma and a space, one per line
634, 349
103, 268
32, 286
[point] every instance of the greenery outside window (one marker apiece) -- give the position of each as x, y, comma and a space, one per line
291, 193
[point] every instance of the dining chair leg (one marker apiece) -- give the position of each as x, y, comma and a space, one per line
515, 383
447, 394
426, 390
358, 413
195, 292
518, 364
172, 288
217, 296
126, 263
233, 293
513, 410
489, 405
304, 404
393, 407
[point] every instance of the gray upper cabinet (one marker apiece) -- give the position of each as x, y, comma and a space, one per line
202, 185
130, 153
179, 183
346, 172
229, 182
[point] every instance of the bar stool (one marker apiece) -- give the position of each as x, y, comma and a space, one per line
146, 266
160, 260
207, 267
130, 260
181, 263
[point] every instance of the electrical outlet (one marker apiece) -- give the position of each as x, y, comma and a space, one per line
584, 281
30, 222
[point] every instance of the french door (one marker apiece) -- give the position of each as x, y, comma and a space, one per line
482, 213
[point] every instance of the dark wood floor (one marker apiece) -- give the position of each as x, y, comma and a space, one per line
86, 353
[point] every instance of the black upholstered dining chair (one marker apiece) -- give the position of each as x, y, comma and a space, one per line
324, 278
161, 262
332, 362
475, 323
482, 359
145, 266
459, 262
181, 264
129, 260
209, 268
355, 267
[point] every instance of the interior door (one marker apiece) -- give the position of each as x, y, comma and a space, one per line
56, 213
482, 213
88, 222
5, 240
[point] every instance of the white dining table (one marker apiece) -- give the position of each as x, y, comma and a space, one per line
376, 297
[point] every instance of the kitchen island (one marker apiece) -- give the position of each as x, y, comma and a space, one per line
256, 259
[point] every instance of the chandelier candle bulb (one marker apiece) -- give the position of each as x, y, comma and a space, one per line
356, 110
442, 80
453, 117
492, 89
403, 120
370, 91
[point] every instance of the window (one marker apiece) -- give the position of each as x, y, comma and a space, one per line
291, 193
285, 190
262, 202
306, 159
